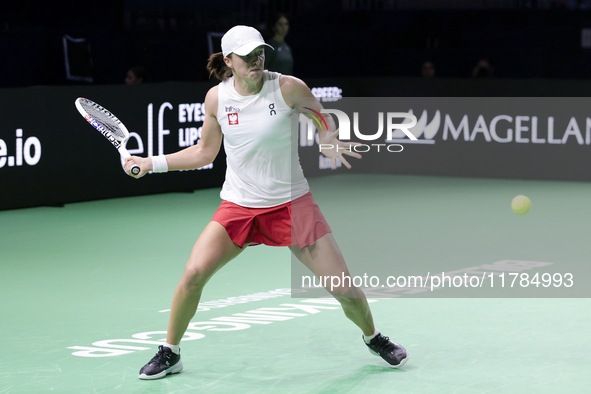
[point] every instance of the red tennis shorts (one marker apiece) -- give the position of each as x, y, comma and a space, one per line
298, 222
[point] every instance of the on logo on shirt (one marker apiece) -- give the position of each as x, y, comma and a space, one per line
233, 118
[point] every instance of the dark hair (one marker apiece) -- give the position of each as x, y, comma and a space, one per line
275, 18
217, 67
271, 22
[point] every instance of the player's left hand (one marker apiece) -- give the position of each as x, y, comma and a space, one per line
331, 147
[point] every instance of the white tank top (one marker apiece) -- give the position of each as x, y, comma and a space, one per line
263, 166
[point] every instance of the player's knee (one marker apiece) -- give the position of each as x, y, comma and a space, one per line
195, 277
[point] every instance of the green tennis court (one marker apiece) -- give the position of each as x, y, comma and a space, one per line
85, 291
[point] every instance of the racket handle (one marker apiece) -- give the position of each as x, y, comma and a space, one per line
125, 154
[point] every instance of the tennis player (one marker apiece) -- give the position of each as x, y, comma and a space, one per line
265, 193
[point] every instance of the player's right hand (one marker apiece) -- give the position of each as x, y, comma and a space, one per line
145, 165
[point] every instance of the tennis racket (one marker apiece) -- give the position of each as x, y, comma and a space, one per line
108, 125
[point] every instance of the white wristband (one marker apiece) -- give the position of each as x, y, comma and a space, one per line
159, 164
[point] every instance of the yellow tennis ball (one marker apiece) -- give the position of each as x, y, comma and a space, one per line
521, 205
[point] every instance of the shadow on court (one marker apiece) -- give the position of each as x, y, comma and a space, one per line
351, 381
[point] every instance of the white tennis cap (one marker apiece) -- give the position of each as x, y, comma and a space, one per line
242, 40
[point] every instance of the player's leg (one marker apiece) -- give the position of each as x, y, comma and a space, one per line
324, 258
212, 251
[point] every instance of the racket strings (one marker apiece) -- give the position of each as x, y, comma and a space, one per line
106, 120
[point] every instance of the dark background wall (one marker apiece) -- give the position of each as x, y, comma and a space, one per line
370, 48
44, 162
329, 38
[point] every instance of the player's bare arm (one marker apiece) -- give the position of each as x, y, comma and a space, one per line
209, 145
297, 95
195, 156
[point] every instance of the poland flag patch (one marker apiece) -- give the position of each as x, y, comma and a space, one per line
233, 118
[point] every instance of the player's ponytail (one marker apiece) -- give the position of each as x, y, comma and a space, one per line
217, 67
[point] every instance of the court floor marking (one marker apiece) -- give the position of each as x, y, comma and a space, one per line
222, 303
287, 311
235, 322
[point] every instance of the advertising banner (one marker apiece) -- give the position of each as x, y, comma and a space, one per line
494, 137
50, 155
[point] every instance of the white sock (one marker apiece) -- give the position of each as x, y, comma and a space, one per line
175, 348
368, 338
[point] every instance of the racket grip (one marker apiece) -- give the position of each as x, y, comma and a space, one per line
125, 154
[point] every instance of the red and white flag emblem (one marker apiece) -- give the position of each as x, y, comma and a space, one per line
233, 118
